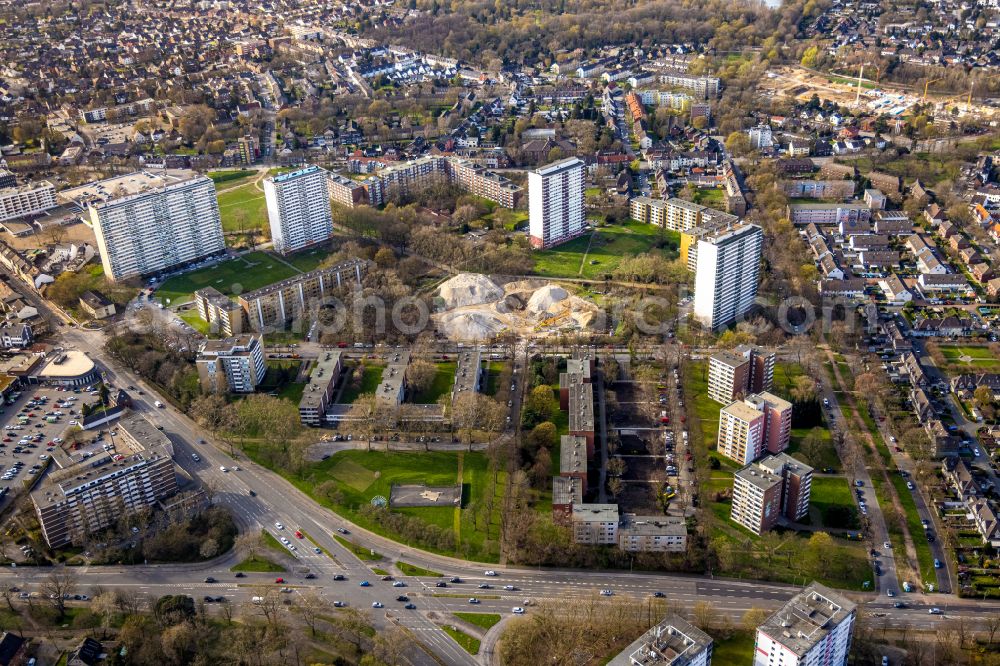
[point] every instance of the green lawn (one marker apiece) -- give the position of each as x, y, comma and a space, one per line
982, 359
308, 260
369, 382
245, 273
358, 476
273, 543
713, 197
414, 570
197, 323
828, 457
292, 392
925, 558
247, 201
258, 563
225, 179
610, 244
469, 643
484, 620
493, 370
444, 379
737, 649
832, 497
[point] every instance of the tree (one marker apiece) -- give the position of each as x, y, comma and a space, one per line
311, 609
537, 406
617, 466
209, 548
179, 643
174, 609
615, 486
814, 445
804, 389
385, 258
420, 375
809, 56
820, 548
753, 618
738, 144
57, 586
543, 435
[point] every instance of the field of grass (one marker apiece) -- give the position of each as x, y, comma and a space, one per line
484, 620
444, 379
414, 570
610, 244
224, 179
292, 392
358, 476
369, 382
251, 271
258, 563
273, 543
245, 202
469, 643
493, 369
832, 496
713, 197
737, 649
827, 459
925, 559
982, 359
197, 323
308, 260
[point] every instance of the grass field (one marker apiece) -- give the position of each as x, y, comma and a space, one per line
444, 379
925, 559
469, 643
413, 570
247, 201
737, 649
259, 564
251, 271
308, 260
273, 543
197, 323
713, 197
482, 620
831, 494
225, 179
369, 382
358, 476
610, 244
828, 457
981, 359
353, 474
363, 554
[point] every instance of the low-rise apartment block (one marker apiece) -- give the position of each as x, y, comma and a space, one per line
573, 458
817, 189
93, 494
319, 391
814, 627
392, 390
827, 213
231, 365
595, 524
345, 191
399, 181
672, 642
745, 369
652, 534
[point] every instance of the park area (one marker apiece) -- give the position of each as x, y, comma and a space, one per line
348, 481
246, 273
594, 255
970, 358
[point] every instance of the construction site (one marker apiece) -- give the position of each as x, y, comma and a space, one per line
860, 90
472, 307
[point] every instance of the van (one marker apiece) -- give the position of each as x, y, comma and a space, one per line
257, 600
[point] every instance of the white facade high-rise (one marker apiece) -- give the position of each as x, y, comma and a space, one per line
298, 207
555, 202
727, 275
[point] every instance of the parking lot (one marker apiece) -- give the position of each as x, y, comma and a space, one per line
34, 425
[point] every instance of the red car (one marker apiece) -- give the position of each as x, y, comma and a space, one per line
279, 580
298, 535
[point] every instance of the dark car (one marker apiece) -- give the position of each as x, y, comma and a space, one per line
409, 606
240, 574
340, 577
402, 597
310, 576
659, 595
456, 579
209, 599
441, 584
386, 577
209, 579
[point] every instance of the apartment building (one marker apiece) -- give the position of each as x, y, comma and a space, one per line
595, 524
482, 182
282, 302
777, 419
231, 365
223, 315
345, 191
741, 432
319, 390
7, 179
298, 208
704, 87
567, 491
675, 214
652, 534
767, 490
28, 199
710, 221
814, 628
392, 389
157, 228
745, 369
555, 202
672, 642
468, 373
94, 493
727, 275
400, 180
573, 458
817, 189
827, 213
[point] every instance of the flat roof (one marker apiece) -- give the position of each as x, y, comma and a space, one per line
71, 363
654, 525
298, 173
567, 490
581, 407
561, 165
595, 513
763, 479
776, 462
742, 411
238, 344
808, 618
128, 184
672, 642
727, 358
323, 372
311, 275
572, 454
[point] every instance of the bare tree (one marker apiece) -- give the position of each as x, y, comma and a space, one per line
59, 585
311, 609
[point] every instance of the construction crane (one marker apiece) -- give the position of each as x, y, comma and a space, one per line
926, 86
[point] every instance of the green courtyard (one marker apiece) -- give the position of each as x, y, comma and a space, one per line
593, 255
246, 273
970, 358
244, 204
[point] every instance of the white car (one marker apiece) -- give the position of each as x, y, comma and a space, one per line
279, 526
158, 404
491, 573
887, 545
76, 423
223, 468
517, 610
473, 600
376, 604
606, 593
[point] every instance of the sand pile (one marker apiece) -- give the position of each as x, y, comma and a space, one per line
547, 299
469, 289
473, 325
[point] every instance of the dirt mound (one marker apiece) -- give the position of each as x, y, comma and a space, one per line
545, 299
469, 289
471, 325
